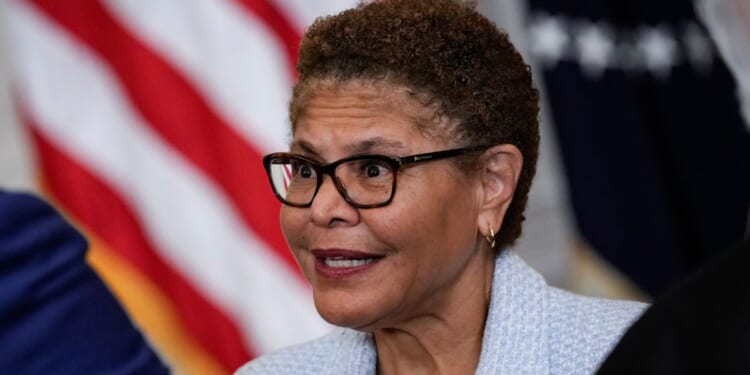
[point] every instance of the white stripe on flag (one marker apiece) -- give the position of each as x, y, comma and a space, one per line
237, 64
80, 106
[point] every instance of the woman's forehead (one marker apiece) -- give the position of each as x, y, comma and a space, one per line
372, 145
367, 104
370, 92
343, 131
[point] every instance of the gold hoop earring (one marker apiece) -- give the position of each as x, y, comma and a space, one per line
491, 238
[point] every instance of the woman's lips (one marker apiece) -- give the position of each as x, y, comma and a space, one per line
337, 263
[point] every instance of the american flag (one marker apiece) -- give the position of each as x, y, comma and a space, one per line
650, 129
148, 121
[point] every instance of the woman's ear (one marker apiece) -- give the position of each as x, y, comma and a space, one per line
500, 169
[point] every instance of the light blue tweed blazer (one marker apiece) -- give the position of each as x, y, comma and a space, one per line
531, 328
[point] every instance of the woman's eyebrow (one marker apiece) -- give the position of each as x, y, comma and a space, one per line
376, 143
304, 146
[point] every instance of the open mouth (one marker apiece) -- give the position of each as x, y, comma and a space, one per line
343, 262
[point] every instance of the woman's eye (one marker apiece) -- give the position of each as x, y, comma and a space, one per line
373, 170
304, 171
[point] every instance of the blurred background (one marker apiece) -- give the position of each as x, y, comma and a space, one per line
145, 124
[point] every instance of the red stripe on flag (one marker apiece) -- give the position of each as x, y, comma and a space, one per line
90, 201
275, 20
177, 112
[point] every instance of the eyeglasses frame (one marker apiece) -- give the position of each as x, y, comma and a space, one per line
396, 163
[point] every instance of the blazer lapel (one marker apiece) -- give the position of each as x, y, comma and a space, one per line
515, 334
354, 354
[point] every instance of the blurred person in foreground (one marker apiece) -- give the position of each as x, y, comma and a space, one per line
414, 143
56, 314
701, 325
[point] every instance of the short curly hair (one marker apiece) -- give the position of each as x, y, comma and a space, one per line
452, 57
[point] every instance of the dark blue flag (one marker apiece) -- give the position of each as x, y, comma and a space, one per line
655, 150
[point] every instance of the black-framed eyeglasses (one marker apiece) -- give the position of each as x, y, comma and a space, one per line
364, 180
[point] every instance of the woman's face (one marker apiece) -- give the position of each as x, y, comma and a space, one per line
375, 268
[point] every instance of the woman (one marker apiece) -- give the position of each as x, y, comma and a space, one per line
414, 142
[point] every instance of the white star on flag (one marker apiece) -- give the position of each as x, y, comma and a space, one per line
594, 46
658, 49
549, 39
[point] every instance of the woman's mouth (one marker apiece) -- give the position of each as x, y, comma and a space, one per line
341, 262
338, 264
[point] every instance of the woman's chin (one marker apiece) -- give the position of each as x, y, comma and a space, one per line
361, 319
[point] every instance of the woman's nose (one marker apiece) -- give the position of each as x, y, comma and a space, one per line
329, 207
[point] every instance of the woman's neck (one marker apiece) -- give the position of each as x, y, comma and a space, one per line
448, 340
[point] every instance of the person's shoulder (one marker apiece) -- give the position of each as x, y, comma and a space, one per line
583, 330
47, 286
311, 357
578, 310
302, 358
709, 306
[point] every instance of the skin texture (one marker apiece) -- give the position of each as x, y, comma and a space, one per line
426, 298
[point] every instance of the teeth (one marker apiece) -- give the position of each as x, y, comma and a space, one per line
344, 263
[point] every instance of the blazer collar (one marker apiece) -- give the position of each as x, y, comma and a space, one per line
515, 336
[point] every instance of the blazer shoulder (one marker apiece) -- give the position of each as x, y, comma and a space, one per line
311, 357
583, 330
